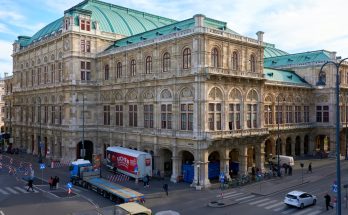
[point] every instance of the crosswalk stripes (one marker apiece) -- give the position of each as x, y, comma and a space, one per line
15, 190
303, 211
289, 211
11, 190
274, 205
266, 203
246, 197
232, 195
259, 201
315, 212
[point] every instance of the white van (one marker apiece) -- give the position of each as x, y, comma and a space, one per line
283, 160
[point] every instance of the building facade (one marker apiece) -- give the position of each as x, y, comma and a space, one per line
201, 98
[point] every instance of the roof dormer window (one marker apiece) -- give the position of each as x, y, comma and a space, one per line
85, 25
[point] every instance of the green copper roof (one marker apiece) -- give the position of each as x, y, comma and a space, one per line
299, 58
111, 18
271, 51
168, 29
289, 77
121, 20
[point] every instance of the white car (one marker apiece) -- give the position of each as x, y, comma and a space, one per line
300, 199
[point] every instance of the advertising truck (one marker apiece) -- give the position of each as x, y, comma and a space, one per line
133, 163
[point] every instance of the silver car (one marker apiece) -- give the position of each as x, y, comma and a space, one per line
300, 199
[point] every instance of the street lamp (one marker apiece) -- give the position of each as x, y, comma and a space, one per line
321, 83
278, 140
39, 139
82, 150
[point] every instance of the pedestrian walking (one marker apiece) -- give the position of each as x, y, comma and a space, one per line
290, 170
30, 185
145, 181
50, 182
328, 201
309, 167
148, 181
165, 188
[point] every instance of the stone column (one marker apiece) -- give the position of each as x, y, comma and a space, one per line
225, 163
204, 169
243, 157
260, 156
283, 152
175, 161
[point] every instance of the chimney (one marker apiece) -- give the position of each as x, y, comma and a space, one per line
260, 36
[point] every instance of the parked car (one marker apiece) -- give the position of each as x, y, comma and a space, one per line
284, 160
300, 199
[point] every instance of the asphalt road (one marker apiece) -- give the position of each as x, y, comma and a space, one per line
246, 202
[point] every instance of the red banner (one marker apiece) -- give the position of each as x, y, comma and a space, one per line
123, 162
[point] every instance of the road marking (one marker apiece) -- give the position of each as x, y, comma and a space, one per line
315, 212
21, 189
275, 205
11, 190
226, 194
256, 202
2, 213
290, 210
303, 211
3, 192
247, 197
232, 195
266, 203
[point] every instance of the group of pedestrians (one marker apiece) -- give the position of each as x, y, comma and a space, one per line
53, 182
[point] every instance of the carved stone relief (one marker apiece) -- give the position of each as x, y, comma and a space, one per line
215, 94
166, 94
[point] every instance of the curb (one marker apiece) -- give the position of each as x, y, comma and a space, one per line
162, 193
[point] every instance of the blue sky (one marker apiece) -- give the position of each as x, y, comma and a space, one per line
293, 25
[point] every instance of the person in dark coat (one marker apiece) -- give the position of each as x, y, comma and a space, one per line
165, 188
309, 167
290, 169
30, 185
327, 201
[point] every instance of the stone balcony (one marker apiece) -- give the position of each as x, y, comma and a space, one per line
274, 127
211, 135
234, 73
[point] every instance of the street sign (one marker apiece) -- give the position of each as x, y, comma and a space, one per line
69, 185
334, 188
42, 166
222, 177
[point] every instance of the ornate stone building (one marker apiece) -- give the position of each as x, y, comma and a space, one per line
199, 97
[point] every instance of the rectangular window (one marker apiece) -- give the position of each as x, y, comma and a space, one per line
106, 114
32, 77
38, 76
83, 46
186, 113
88, 46
119, 115
148, 116
53, 73
289, 118
60, 72
60, 115
83, 24
166, 116
45, 75
133, 115
214, 116
234, 116
268, 115
279, 114
88, 26
85, 70
319, 114
298, 114
46, 114
53, 115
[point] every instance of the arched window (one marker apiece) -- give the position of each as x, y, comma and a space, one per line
252, 63
106, 72
214, 58
119, 70
133, 68
235, 61
166, 62
148, 66
186, 61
